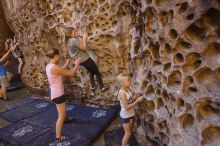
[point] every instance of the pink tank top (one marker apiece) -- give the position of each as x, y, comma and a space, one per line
55, 82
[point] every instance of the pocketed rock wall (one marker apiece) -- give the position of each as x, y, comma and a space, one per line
177, 67
171, 47
5, 33
40, 25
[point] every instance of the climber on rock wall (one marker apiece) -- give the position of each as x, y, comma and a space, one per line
54, 75
127, 103
13, 46
77, 47
3, 77
17, 53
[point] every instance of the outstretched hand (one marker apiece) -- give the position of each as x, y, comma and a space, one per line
68, 61
85, 34
78, 60
14, 47
140, 99
177, 94
15, 39
136, 95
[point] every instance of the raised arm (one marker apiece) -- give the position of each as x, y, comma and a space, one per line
136, 95
5, 56
14, 47
6, 46
124, 100
66, 64
83, 43
64, 72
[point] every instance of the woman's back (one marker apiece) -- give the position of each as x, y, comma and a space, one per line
55, 82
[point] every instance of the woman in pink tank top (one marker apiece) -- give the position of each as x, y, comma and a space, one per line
54, 74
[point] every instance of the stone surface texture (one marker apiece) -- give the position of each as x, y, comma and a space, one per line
11, 63
171, 48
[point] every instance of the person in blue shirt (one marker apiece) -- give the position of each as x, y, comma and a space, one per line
3, 77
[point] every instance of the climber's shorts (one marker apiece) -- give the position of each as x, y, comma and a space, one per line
4, 81
59, 100
126, 120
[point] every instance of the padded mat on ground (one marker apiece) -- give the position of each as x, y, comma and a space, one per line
48, 139
114, 138
19, 133
88, 123
15, 86
26, 110
48, 118
19, 104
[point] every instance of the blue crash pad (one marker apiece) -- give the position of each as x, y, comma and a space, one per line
114, 138
90, 122
26, 110
19, 104
48, 118
95, 114
19, 133
15, 86
48, 139
87, 125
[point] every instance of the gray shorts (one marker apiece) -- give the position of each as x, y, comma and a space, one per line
4, 81
17, 53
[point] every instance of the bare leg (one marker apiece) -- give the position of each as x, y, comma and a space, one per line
4, 92
20, 65
131, 122
127, 129
1, 95
61, 108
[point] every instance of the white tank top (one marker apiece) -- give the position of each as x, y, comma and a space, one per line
126, 113
55, 82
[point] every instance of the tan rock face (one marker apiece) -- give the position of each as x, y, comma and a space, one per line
177, 68
171, 47
5, 33
41, 25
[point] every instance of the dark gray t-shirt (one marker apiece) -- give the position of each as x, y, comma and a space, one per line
73, 50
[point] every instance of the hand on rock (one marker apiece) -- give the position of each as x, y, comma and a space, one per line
140, 99
177, 94
137, 94
77, 62
85, 35
68, 61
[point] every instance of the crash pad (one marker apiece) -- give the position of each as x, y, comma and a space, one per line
26, 110
19, 133
114, 138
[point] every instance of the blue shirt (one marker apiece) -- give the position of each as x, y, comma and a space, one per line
2, 70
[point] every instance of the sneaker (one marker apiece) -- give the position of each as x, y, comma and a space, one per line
104, 89
59, 141
62, 138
